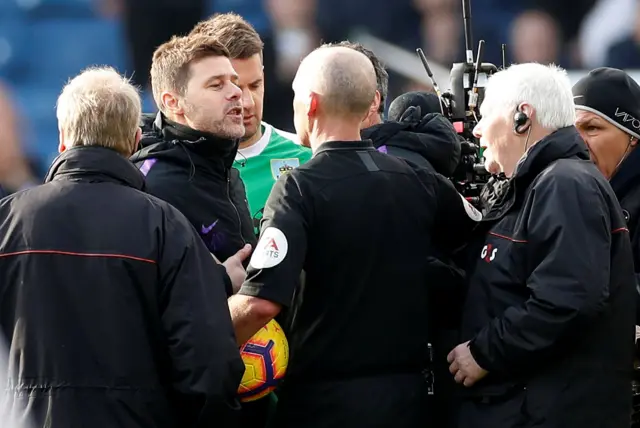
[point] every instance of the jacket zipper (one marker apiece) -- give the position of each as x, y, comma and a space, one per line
234, 207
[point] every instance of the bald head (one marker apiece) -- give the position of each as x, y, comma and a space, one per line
343, 79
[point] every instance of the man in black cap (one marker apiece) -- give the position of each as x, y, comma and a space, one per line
418, 133
607, 104
427, 101
421, 136
607, 110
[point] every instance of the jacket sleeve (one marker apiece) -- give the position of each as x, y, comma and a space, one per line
569, 250
637, 299
635, 245
241, 202
205, 360
455, 218
277, 262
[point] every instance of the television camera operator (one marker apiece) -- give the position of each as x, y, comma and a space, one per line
420, 135
414, 132
357, 222
548, 321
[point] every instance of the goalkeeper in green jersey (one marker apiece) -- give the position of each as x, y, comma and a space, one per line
265, 153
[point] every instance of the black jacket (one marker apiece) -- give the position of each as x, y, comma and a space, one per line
626, 184
429, 142
361, 225
550, 306
114, 312
193, 171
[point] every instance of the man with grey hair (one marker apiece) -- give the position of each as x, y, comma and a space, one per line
114, 311
356, 221
548, 322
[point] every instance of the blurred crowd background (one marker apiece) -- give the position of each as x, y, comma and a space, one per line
45, 42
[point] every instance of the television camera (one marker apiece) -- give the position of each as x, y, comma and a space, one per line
461, 105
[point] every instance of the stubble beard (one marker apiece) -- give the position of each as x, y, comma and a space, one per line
227, 130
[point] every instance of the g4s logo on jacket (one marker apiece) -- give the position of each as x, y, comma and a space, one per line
488, 253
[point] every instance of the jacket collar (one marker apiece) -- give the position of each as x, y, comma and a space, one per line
202, 143
564, 143
331, 146
93, 163
561, 144
627, 175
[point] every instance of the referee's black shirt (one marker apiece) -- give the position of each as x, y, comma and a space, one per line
360, 224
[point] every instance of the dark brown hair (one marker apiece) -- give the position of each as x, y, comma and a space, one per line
234, 32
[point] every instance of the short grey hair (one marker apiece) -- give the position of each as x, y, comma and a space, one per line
382, 77
546, 88
344, 78
99, 107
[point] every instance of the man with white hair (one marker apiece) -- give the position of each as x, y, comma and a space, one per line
358, 222
548, 322
114, 311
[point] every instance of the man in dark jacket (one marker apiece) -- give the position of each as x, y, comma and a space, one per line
608, 107
189, 148
357, 222
429, 143
548, 323
114, 311
607, 112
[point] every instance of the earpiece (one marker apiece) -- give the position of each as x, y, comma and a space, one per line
520, 119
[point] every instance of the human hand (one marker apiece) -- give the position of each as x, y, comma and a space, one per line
235, 269
463, 366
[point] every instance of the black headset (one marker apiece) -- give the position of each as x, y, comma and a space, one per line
520, 119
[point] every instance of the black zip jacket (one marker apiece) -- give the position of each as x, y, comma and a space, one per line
551, 302
428, 143
626, 184
113, 310
193, 171
431, 143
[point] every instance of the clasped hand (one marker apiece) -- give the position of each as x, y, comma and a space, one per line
463, 366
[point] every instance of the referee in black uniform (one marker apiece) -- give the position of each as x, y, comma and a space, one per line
361, 225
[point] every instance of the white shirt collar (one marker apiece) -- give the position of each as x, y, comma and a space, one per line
259, 146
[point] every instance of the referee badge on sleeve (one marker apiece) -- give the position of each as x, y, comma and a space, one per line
270, 250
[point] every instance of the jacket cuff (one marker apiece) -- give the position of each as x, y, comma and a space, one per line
481, 359
228, 286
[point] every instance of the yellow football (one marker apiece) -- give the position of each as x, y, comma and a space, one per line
265, 357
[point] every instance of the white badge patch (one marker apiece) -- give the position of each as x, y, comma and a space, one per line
472, 212
271, 249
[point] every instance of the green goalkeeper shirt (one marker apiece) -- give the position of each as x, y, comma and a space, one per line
260, 165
